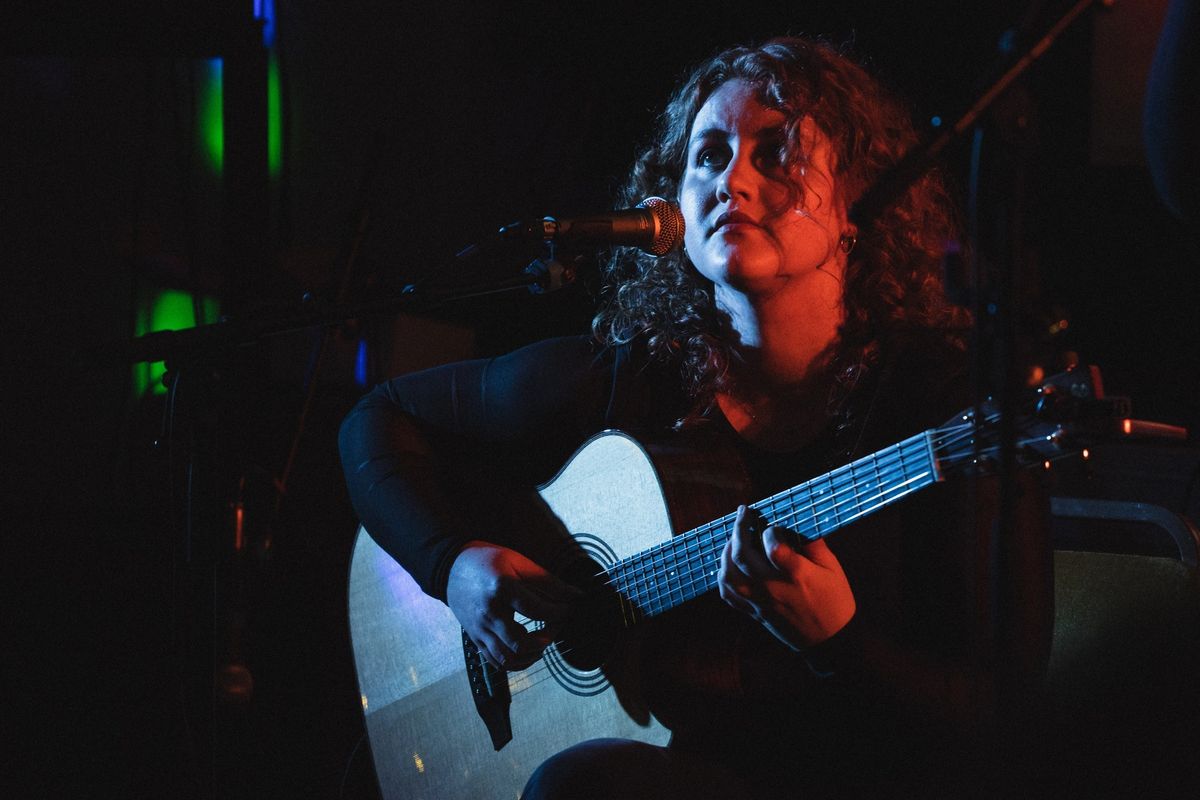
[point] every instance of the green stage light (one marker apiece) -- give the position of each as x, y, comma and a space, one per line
274, 117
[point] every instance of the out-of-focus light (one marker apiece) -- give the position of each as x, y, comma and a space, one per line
1086, 454
1127, 426
360, 363
1007, 42
936, 122
1046, 464
239, 519
265, 11
274, 117
212, 113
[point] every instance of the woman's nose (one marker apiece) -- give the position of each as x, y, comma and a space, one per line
735, 182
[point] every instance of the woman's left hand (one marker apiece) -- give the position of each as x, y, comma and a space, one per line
800, 594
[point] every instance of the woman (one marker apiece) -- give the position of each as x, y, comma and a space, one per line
786, 333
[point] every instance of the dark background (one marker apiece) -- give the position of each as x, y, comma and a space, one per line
409, 130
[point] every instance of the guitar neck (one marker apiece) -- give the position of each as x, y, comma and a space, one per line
685, 567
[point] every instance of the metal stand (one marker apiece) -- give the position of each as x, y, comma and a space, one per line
995, 345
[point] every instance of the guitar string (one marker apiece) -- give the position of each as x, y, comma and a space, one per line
882, 467
535, 672
722, 527
828, 502
640, 592
647, 594
714, 529
835, 484
692, 579
639, 595
545, 667
656, 557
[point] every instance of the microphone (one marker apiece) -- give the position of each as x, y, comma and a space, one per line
655, 225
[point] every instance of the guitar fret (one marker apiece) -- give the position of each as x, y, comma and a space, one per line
858, 483
691, 558
618, 576
656, 589
616, 579
682, 568
672, 576
812, 508
709, 554
825, 525
642, 592
653, 593
674, 594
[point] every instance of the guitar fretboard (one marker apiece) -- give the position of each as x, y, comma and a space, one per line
686, 566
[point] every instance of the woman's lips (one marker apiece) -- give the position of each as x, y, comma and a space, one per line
733, 220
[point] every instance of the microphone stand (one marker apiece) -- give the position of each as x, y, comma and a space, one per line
995, 372
310, 313
897, 180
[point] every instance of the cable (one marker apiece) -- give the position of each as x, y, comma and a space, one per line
350, 763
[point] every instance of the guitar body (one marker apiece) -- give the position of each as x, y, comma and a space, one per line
426, 736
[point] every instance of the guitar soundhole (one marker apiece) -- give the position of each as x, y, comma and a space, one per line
577, 657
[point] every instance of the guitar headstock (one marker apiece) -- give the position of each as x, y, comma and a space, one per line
1057, 420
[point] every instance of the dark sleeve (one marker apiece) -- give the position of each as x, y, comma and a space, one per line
416, 447
1172, 117
953, 620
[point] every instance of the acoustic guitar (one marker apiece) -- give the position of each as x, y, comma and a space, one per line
442, 723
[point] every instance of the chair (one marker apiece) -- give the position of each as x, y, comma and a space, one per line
1122, 708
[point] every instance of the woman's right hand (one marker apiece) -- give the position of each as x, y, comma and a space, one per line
487, 584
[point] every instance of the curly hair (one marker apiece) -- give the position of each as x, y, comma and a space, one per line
892, 284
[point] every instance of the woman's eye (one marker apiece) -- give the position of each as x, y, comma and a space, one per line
770, 157
711, 158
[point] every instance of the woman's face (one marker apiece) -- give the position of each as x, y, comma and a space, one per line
752, 226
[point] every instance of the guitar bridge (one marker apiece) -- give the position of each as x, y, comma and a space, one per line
489, 690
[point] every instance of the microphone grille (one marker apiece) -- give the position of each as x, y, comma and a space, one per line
668, 225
